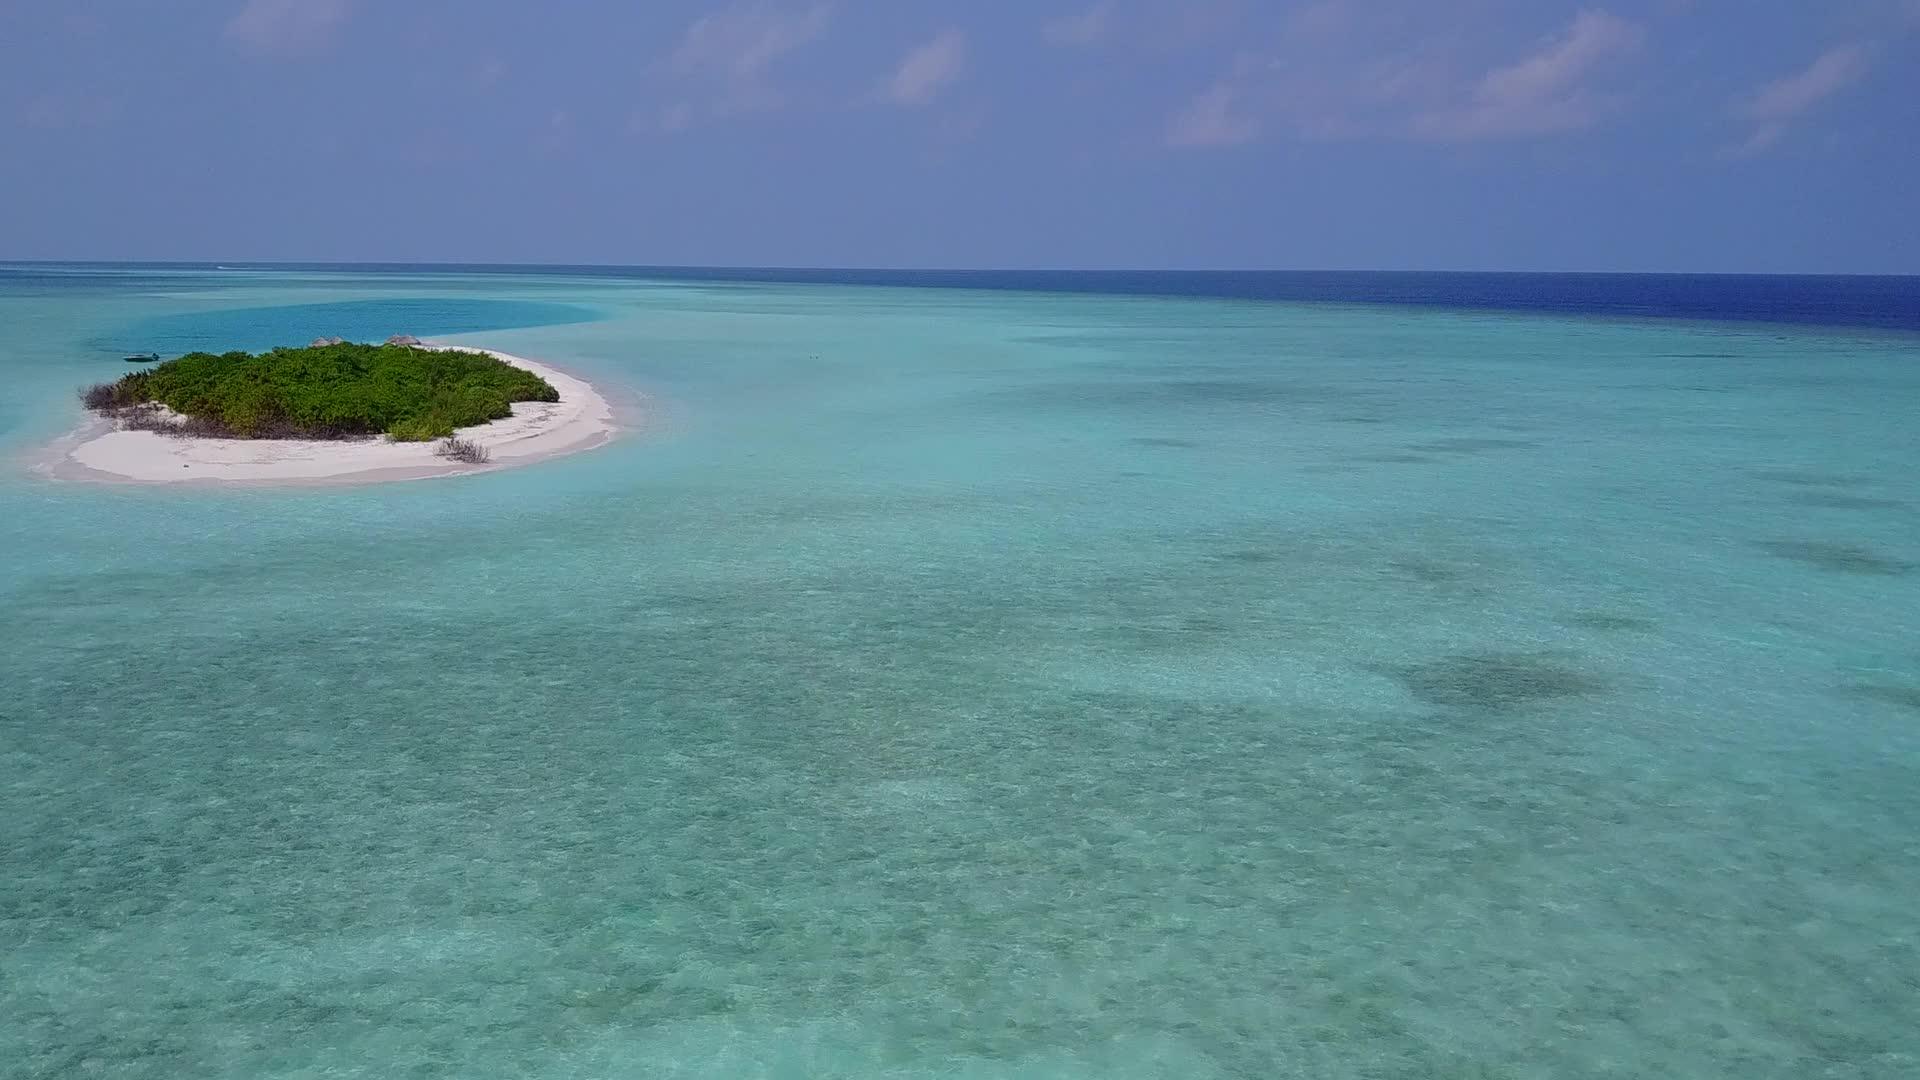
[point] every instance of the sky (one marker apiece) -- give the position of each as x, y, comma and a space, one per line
1685, 135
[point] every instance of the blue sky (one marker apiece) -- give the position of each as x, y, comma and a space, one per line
1714, 135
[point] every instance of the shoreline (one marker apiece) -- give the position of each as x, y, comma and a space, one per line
101, 452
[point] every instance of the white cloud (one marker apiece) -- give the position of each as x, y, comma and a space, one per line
1546, 93
928, 69
741, 43
1083, 29
722, 65
1791, 96
1780, 103
1400, 69
1212, 120
269, 27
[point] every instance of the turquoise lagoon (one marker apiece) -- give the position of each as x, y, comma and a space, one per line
978, 684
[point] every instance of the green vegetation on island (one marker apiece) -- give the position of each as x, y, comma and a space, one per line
332, 391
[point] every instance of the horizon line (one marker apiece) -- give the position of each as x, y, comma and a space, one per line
248, 264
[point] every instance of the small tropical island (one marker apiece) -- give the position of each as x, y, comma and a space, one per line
323, 391
332, 410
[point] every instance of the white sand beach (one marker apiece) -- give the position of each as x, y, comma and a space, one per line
580, 420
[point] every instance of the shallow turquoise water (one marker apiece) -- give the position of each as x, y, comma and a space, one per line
983, 685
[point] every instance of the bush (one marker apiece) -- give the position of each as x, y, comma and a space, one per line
147, 418
420, 429
329, 391
465, 450
107, 397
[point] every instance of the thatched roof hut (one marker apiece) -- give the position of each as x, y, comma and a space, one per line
403, 339
320, 342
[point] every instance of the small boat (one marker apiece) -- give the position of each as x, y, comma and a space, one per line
143, 358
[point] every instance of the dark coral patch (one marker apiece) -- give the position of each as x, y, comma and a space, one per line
1838, 558
1391, 458
1908, 696
1608, 621
1834, 500
1496, 681
1810, 478
1472, 445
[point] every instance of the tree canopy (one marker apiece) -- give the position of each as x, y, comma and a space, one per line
329, 391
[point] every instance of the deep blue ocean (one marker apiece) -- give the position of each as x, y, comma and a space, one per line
984, 676
1882, 302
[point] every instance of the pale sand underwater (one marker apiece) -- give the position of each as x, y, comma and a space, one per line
978, 686
581, 420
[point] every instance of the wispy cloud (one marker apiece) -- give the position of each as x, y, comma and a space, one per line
1212, 119
740, 44
85, 24
723, 61
558, 134
488, 73
676, 117
1386, 69
1546, 93
1083, 29
59, 111
928, 69
283, 27
1780, 103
